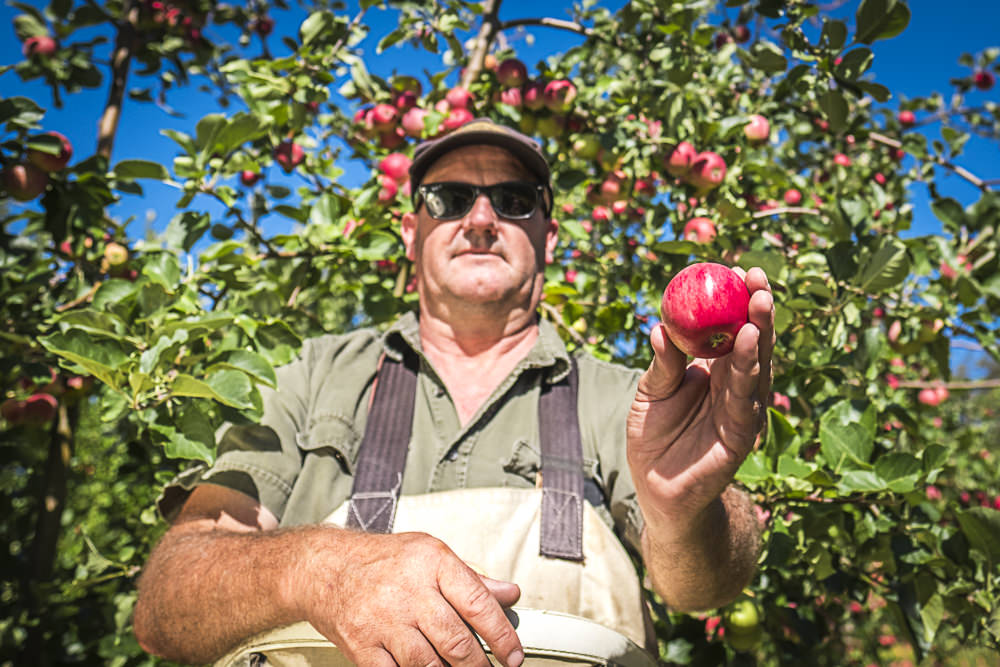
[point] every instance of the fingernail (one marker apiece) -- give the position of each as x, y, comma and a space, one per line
515, 658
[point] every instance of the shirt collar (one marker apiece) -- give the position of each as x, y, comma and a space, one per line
549, 351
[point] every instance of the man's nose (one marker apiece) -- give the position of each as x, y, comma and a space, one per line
481, 215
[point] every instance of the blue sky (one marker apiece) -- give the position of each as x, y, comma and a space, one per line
919, 61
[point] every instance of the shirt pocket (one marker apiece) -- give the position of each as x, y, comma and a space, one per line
333, 436
525, 462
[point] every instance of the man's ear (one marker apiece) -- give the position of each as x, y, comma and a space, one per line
551, 239
408, 230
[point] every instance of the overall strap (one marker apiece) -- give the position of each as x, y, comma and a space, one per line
382, 458
562, 469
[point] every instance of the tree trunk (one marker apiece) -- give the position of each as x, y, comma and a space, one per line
50, 503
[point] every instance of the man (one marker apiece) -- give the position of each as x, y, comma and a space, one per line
236, 562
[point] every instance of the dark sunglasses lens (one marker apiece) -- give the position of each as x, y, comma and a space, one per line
451, 200
513, 200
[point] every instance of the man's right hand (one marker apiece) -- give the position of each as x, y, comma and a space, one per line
403, 599
225, 572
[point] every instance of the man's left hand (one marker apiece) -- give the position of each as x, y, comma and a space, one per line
692, 425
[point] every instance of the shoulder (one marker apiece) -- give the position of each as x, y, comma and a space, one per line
605, 376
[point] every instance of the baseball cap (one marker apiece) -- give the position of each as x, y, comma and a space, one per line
475, 132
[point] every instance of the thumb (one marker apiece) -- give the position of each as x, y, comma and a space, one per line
666, 371
506, 592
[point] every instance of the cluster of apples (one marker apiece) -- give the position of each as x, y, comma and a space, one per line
41, 403
174, 18
28, 178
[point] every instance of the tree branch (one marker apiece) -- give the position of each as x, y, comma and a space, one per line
107, 127
989, 383
487, 32
546, 22
958, 169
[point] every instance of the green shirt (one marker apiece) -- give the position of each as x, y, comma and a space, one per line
299, 461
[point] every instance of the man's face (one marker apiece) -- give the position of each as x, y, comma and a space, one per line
480, 258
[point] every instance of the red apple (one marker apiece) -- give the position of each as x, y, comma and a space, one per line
601, 214
458, 98
396, 166
249, 178
792, 197
559, 94
404, 100
387, 193
40, 408
842, 160
983, 79
264, 26
457, 118
413, 122
678, 163
24, 182
704, 306
12, 410
512, 97
758, 129
384, 117
741, 33
40, 45
512, 73
707, 171
48, 161
534, 95
907, 118
289, 155
699, 230
879, 178
928, 396
619, 206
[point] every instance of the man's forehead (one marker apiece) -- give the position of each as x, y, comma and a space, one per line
479, 157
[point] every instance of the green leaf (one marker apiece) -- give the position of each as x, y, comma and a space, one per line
981, 526
207, 130
93, 322
880, 19
835, 107
242, 128
131, 169
780, 434
950, 212
860, 481
876, 90
315, 25
228, 387
376, 245
855, 63
250, 363
177, 445
900, 470
847, 436
101, 358
754, 470
114, 292
163, 268
768, 57
887, 268
834, 34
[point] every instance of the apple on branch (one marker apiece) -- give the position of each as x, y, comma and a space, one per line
758, 130
703, 308
51, 162
39, 45
699, 230
396, 166
24, 182
679, 161
707, 171
512, 73
289, 155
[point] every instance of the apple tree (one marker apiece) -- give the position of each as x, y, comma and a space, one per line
754, 133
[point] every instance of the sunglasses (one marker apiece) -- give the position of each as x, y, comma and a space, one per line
513, 200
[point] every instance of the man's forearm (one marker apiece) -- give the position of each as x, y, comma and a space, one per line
709, 563
204, 591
